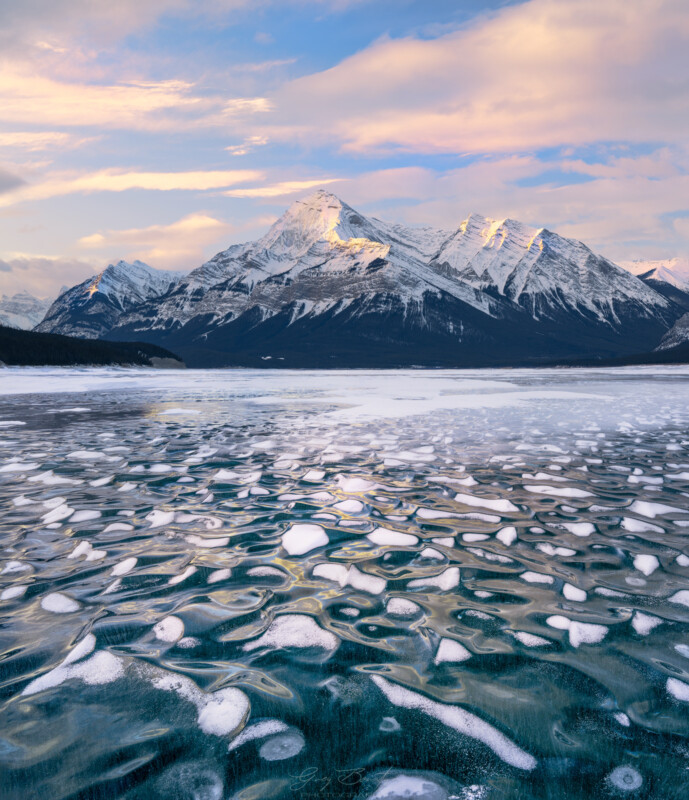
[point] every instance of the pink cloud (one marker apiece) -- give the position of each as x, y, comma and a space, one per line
542, 73
120, 180
180, 244
29, 97
281, 188
622, 216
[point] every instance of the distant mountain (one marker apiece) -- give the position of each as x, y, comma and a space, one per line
669, 277
327, 286
92, 308
28, 348
22, 310
674, 271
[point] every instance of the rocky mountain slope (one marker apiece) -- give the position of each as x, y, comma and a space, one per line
327, 286
678, 334
92, 308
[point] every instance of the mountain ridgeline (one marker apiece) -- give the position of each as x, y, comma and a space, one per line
329, 287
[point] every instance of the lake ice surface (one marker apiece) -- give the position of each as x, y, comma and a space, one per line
280, 584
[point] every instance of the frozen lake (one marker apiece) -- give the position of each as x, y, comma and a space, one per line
414, 584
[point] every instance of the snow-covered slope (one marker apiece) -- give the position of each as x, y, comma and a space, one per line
544, 273
327, 285
674, 271
92, 308
677, 335
22, 310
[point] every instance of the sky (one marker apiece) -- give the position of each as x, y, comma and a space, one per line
166, 130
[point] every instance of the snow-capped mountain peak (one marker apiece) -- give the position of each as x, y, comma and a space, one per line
490, 250
319, 217
311, 232
133, 280
89, 309
539, 270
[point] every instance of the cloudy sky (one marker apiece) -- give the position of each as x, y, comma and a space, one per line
166, 130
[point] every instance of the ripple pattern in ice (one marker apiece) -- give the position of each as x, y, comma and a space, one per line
214, 595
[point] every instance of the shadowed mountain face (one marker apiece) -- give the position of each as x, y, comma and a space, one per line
327, 286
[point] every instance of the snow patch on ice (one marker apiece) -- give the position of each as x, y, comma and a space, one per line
646, 563
401, 607
294, 630
169, 629
447, 580
385, 537
530, 639
302, 538
643, 624
259, 730
59, 603
507, 535
451, 651
101, 668
459, 720
557, 491
678, 689
501, 506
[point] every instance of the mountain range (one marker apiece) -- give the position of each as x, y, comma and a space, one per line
328, 286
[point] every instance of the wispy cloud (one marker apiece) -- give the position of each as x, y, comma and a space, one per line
48, 24
29, 98
534, 75
281, 189
33, 141
113, 180
247, 146
264, 66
